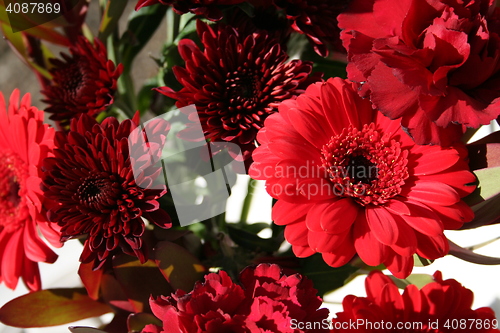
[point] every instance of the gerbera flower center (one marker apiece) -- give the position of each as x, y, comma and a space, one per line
362, 165
360, 169
12, 174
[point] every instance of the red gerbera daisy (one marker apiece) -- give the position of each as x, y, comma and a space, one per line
236, 82
317, 20
348, 180
96, 192
266, 301
207, 8
24, 142
440, 306
84, 82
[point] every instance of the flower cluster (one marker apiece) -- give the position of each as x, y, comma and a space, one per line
434, 64
266, 301
440, 306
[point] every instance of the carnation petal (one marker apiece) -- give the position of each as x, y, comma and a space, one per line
389, 95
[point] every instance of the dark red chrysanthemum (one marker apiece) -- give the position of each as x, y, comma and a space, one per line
316, 19
84, 82
207, 8
97, 193
267, 301
348, 180
24, 142
434, 64
440, 306
265, 17
236, 82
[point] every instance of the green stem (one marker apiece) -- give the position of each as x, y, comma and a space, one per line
127, 92
126, 99
252, 183
176, 26
173, 26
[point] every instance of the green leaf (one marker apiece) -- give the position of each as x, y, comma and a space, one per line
140, 281
485, 200
141, 26
84, 329
91, 279
137, 321
421, 262
255, 228
489, 185
247, 8
18, 45
418, 280
51, 307
180, 267
324, 277
253, 242
145, 96
485, 213
111, 16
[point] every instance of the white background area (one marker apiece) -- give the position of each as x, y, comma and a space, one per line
481, 279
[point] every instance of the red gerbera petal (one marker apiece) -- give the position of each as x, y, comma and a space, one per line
24, 142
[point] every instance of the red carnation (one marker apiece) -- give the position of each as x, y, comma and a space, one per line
440, 306
84, 82
236, 82
316, 19
24, 142
266, 301
348, 180
434, 64
207, 8
96, 192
